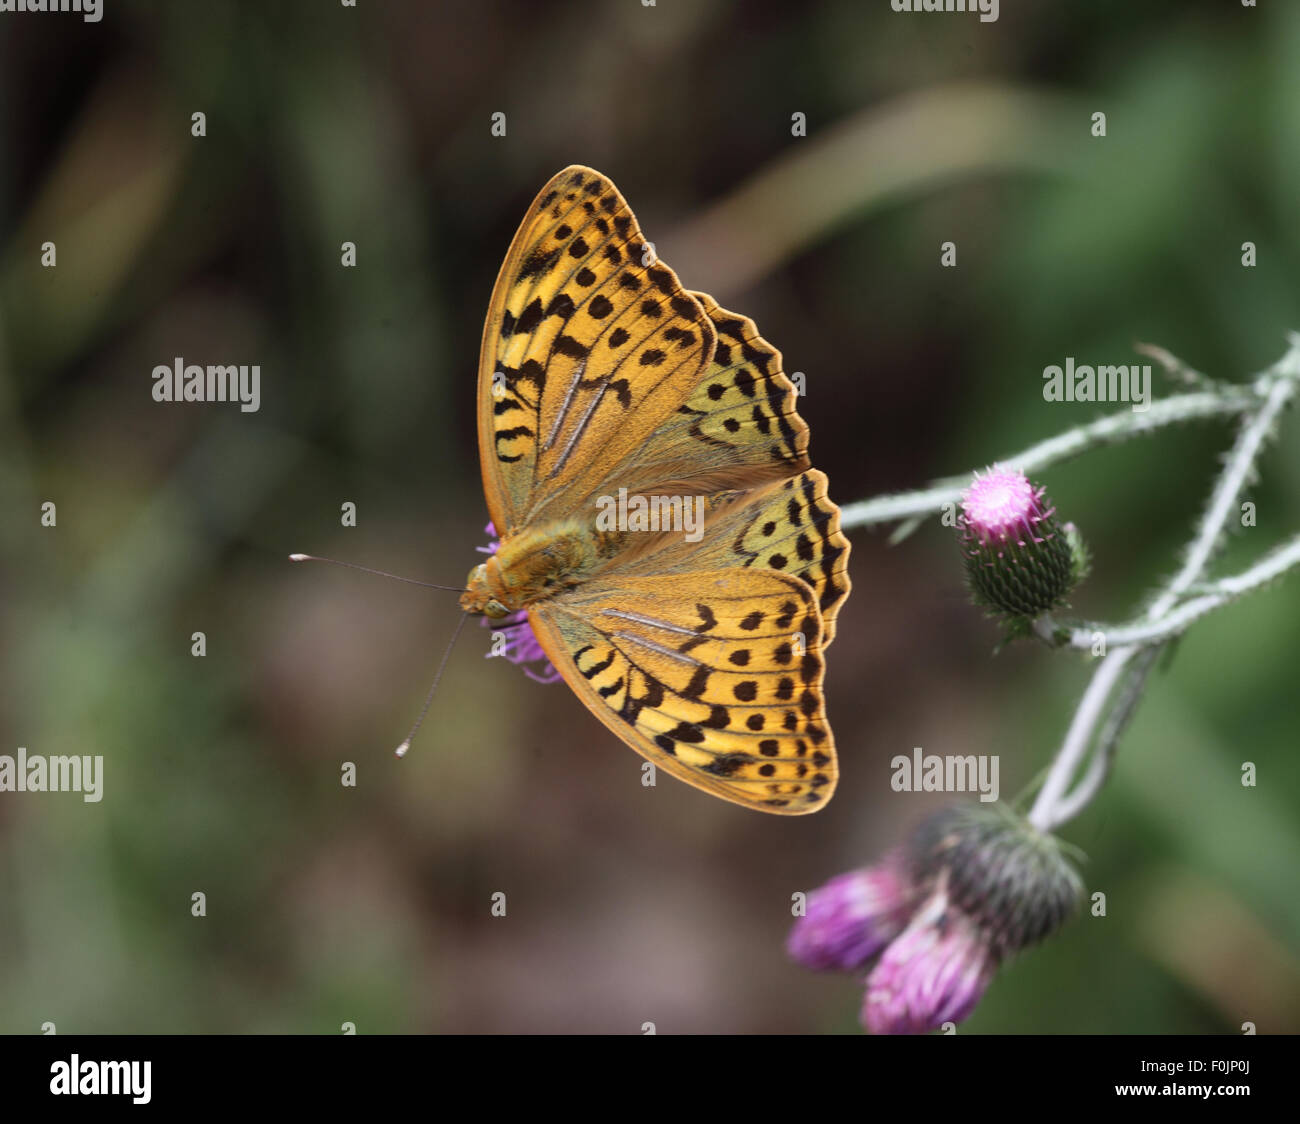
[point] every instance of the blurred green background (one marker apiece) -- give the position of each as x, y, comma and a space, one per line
328, 124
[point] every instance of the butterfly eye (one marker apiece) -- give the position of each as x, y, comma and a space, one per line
495, 609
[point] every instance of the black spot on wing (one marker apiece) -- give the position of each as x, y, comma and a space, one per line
538, 262
726, 764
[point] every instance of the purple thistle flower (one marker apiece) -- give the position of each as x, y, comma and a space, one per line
971, 887
853, 916
521, 644
1005, 507
936, 972
523, 648
1019, 560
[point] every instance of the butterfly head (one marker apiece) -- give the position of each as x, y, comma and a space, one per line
480, 591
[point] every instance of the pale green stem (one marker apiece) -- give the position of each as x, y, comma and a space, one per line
1120, 426
1052, 806
1210, 597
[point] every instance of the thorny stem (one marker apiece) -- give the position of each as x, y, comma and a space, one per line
1132, 647
1099, 767
1211, 596
1054, 806
1115, 427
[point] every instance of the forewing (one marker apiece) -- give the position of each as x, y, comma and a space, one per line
586, 351
738, 427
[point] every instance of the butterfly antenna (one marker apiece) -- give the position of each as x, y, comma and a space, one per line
377, 573
406, 742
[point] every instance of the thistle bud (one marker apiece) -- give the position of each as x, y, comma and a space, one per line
1020, 561
1010, 879
994, 885
971, 886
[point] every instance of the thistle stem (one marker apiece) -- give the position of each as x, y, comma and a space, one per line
1055, 804
1116, 427
1178, 619
1182, 601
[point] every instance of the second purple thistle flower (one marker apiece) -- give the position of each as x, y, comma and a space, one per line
519, 643
936, 918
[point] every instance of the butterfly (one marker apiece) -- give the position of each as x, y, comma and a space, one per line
606, 389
